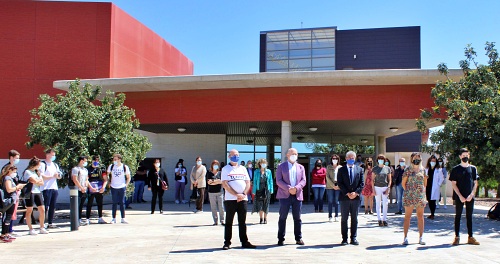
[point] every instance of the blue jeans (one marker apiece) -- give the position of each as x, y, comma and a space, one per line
50, 199
297, 222
139, 191
333, 201
118, 196
399, 196
318, 197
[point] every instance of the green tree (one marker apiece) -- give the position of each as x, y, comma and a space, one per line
469, 112
77, 123
341, 149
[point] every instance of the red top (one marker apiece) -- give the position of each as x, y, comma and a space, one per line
318, 176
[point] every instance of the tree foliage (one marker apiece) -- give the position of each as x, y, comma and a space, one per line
78, 123
469, 111
342, 149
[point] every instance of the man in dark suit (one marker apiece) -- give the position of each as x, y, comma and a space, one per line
350, 181
291, 179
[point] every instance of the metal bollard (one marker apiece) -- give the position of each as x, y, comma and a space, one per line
73, 208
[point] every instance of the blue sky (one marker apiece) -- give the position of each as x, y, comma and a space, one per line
222, 36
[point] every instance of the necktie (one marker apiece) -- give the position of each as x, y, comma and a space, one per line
350, 174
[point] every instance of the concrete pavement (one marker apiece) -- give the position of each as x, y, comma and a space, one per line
180, 236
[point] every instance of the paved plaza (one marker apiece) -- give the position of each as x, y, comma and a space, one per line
180, 236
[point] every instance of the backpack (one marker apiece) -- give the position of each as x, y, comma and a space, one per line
494, 212
6, 201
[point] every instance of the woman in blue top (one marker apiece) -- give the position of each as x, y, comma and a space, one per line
262, 189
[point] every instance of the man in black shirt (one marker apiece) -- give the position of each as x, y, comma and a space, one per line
463, 179
98, 179
140, 179
398, 178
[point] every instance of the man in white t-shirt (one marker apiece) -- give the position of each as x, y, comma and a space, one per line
119, 177
50, 173
80, 177
236, 182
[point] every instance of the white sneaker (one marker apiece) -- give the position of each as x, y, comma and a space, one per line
336, 220
101, 221
32, 232
405, 242
88, 222
177, 201
14, 234
83, 222
184, 201
43, 231
124, 221
444, 206
46, 225
421, 241
329, 219
437, 206
53, 226
113, 221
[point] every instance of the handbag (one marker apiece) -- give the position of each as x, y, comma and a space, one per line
164, 185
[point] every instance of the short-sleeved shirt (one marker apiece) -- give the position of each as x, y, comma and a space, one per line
31, 174
381, 176
49, 170
117, 176
235, 177
82, 175
13, 184
464, 178
213, 188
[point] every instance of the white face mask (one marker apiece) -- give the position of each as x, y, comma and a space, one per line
216, 167
433, 163
293, 158
263, 165
335, 162
250, 166
198, 162
157, 164
440, 164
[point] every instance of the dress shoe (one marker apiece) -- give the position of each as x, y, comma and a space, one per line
299, 242
281, 243
431, 217
344, 243
248, 245
354, 242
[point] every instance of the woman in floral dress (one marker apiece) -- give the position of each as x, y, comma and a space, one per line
414, 183
367, 191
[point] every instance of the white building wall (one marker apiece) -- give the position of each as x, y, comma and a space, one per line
172, 147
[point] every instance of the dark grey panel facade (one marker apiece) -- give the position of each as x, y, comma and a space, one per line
378, 48
409, 142
262, 55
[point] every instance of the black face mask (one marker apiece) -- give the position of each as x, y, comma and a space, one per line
370, 163
416, 161
318, 165
465, 159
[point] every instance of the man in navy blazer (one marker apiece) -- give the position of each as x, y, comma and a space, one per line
350, 181
291, 179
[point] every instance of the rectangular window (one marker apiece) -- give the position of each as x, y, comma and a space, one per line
330, 52
279, 64
278, 45
300, 54
277, 36
277, 55
300, 44
297, 35
323, 43
300, 63
323, 62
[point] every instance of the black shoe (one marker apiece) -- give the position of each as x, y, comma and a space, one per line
299, 242
399, 213
385, 223
281, 243
215, 224
226, 247
248, 245
144, 201
222, 223
344, 243
128, 207
354, 242
161, 211
152, 212
380, 223
265, 221
261, 221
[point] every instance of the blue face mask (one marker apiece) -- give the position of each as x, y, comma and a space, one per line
234, 158
350, 161
95, 163
216, 167
85, 164
115, 163
53, 158
386, 163
16, 161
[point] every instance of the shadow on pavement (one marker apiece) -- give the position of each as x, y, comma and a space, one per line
448, 245
320, 246
194, 251
391, 246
